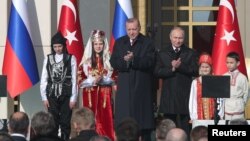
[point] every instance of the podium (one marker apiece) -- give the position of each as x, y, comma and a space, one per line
217, 87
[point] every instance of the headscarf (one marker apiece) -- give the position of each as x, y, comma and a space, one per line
94, 36
205, 58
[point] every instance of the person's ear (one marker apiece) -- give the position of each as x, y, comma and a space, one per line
115, 137
140, 139
9, 129
238, 63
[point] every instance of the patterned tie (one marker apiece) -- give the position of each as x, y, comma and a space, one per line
132, 41
176, 50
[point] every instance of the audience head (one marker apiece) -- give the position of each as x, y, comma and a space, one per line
43, 123
239, 121
176, 134
163, 127
205, 138
5, 137
100, 138
198, 132
128, 130
19, 123
82, 119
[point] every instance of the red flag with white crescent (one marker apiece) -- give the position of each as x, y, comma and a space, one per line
227, 38
69, 25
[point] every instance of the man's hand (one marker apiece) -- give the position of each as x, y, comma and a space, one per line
176, 64
46, 104
129, 56
72, 104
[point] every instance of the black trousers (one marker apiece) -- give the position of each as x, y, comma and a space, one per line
59, 108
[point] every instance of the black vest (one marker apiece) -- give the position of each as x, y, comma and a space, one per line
59, 76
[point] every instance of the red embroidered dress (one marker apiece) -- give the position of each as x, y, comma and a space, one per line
98, 96
205, 105
98, 99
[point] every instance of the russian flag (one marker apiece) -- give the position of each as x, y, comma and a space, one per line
19, 57
123, 11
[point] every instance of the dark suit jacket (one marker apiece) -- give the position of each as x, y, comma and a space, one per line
135, 88
176, 85
85, 135
18, 138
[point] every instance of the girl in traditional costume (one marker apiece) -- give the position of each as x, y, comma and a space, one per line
201, 108
97, 87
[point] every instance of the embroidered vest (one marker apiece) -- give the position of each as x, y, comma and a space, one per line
59, 81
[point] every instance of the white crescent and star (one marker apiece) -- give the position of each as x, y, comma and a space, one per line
228, 35
71, 6
229, 6
70, 36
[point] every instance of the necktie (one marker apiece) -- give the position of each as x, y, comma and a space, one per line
176, 50
132, 41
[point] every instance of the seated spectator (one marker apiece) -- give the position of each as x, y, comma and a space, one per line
43, 127
83, 121
176, 134
128, 130
19, 126
100, 138
198, 132
239, 121
162, 129
205, 138
5, 137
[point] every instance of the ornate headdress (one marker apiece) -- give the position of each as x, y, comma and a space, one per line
97, 35
205, 58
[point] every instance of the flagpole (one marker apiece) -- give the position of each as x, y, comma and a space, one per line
17, 104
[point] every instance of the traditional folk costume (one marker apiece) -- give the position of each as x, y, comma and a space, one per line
98, 97
200, 108
59, 85
235, 105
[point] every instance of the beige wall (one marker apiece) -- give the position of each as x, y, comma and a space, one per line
244, 20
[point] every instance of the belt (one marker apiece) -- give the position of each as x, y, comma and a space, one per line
235, 113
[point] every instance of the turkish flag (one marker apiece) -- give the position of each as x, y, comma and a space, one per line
69, 25
227, 38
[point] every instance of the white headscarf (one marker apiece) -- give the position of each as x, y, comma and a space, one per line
97, 35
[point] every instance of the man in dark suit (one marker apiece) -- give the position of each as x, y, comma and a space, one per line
43, 127
83, 122
176, 64
133, 57
19, 126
